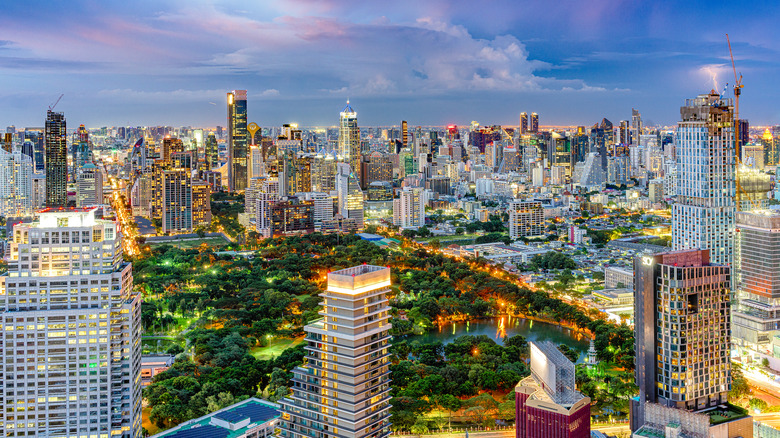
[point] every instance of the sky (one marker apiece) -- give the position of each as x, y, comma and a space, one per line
431, 62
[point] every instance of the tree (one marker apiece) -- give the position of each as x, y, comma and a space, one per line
450, 403
758, 404
459, 231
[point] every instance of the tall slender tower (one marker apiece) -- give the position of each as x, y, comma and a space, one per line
534, 123
343, 388
212, 151
523, 123
349, 139
72, 330
56, 160
237, 141
703, 216
404, 134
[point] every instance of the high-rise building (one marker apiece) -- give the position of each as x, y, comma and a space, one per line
349, 139
404, 134
292, 215
526, 219
624, 133
89, 186
56, 160
237, 141
703, 215
523, 123
16, 190
212, 151
409, 208
682, 332
201, 203
74, 306
170, 146
546, 402
636, 126
533, 124
350, 201
343, 389
83, 153
756, 315
176, 202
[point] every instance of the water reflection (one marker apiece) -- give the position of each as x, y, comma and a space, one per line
500, 327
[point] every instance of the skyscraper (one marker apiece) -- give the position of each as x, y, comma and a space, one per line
404, 134
523, 123
534, 123
703, 216
56, 160
211, 152
74, 307
16, 190
756, 316
343, 390
682, 332
409, 208
89, 186
350, 200
237, 141
83, 153
349, 139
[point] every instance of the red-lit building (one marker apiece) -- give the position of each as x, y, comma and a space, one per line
546, 403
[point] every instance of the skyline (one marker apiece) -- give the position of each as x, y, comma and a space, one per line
435, 63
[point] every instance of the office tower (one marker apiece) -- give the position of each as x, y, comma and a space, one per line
409, 208
322, 210
256, 166
771, 147
323, 173
523, 123
141, 194
56, 160
73, 304
16, 190
755, 186
89, 186
6, 142
176, 202
636, 126
28, 149
343, 389
624, 133
212, 151
83, 153
291, 215
546, 402
404, 134
526, 219
36, 136
589, 173
237, 141
756, 316
349, 139
703, 216
297, 173
350, 200
682, 331
380, 191
378, 168
201, 203
533, 124
171, 146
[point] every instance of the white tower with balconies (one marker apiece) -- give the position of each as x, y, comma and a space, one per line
343, 388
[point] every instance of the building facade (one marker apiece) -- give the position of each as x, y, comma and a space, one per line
547, 404
237, 141
703, 214
682, 332
756, 315
349, 139
343, 389
526, 219
56, 160
16, 191
72, 331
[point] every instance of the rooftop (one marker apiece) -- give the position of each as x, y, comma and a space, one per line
255, 410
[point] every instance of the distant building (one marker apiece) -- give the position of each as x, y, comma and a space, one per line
16, 190
615, 276
237, 140
547, 403
409, 208
89, 186
56, 160
292, 216
251, 418
526, 219
154, 364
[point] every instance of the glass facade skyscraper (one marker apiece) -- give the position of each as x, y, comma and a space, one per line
349, 139
237, 141
56, 160
703, 216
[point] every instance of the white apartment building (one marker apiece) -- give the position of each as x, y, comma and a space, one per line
89, 186
703, 215
71, 333
16, 189
526, 219
409, 208
343, 388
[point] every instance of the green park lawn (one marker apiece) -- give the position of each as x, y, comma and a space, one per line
275, 349
188, 244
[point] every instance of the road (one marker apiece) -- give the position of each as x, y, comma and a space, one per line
506, 433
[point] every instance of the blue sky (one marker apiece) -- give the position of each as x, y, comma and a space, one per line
428, 62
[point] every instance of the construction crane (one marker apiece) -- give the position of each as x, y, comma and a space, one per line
51, 107
737, 134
